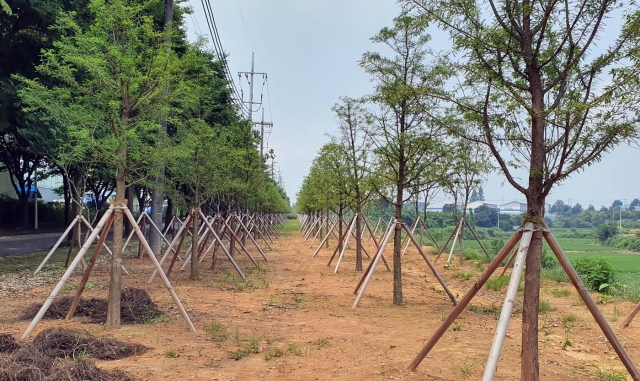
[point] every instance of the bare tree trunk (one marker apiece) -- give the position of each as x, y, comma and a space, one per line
530, 366
115, 282
397, 256
358, 239
195, 271
168, 215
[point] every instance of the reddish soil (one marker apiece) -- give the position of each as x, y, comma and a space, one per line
301, 310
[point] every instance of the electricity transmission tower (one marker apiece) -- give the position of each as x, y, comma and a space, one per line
249, 76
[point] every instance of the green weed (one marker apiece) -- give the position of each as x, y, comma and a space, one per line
217, 332
497, 283
560, 293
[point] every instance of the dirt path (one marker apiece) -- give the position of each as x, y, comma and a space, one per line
296, 313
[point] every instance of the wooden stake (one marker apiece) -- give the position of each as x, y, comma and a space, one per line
465, 300
66, 275
433, 269
87, 272
591, 304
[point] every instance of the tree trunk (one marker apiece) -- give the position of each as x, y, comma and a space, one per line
340, 227
168, 215
67, 199
115, 281
358, 239
129, 197
232, 237
530, 365
195, 273
530, 358
397, 255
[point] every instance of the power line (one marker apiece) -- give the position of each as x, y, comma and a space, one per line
245, 25
217, 44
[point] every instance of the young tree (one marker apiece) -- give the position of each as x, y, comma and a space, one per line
542, 98
405, 139
109, 91
355, 146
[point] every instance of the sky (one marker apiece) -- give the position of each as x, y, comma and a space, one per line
310, 51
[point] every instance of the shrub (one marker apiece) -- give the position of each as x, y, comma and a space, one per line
595, 271
548, 260
606, 231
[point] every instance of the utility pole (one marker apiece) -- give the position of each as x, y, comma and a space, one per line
250, 75
262, 126
157, 196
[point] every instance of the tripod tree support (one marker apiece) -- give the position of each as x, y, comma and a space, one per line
462, 304
366, 278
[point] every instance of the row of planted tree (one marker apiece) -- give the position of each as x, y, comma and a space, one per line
111, 94
519, 87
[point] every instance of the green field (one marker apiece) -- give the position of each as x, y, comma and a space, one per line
626, 264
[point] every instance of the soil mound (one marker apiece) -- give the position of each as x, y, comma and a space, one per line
58, 354
136, 306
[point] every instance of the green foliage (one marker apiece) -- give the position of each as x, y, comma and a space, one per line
549, 261
595, 271
606, 231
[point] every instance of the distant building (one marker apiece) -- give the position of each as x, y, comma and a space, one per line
513, 207
45, 187
516, 207
476, 204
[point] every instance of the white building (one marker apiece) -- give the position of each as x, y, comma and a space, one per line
516, 207
476, 204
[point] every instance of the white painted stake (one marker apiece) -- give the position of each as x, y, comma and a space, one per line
453, 246
346, 242
67, 274
509, 301
44, 261
374, 265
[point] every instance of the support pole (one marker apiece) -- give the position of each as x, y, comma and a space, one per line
374, 264
591, 305
454, 239
507, 307
156, 264
346, 242
87, 272
67, 274
465, 300
53, 249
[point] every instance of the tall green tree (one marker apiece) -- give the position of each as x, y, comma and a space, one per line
543, 97
26, 139
405, 139
108, 88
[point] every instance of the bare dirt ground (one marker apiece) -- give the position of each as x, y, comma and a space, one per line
296, 313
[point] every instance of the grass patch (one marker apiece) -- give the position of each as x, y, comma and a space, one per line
571, 318
560, 293
497, 283
217, 332
290, 227
463, 276
544, 307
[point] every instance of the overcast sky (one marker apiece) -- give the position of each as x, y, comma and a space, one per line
310, 50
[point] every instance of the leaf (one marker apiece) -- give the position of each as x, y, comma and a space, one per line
5, 7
